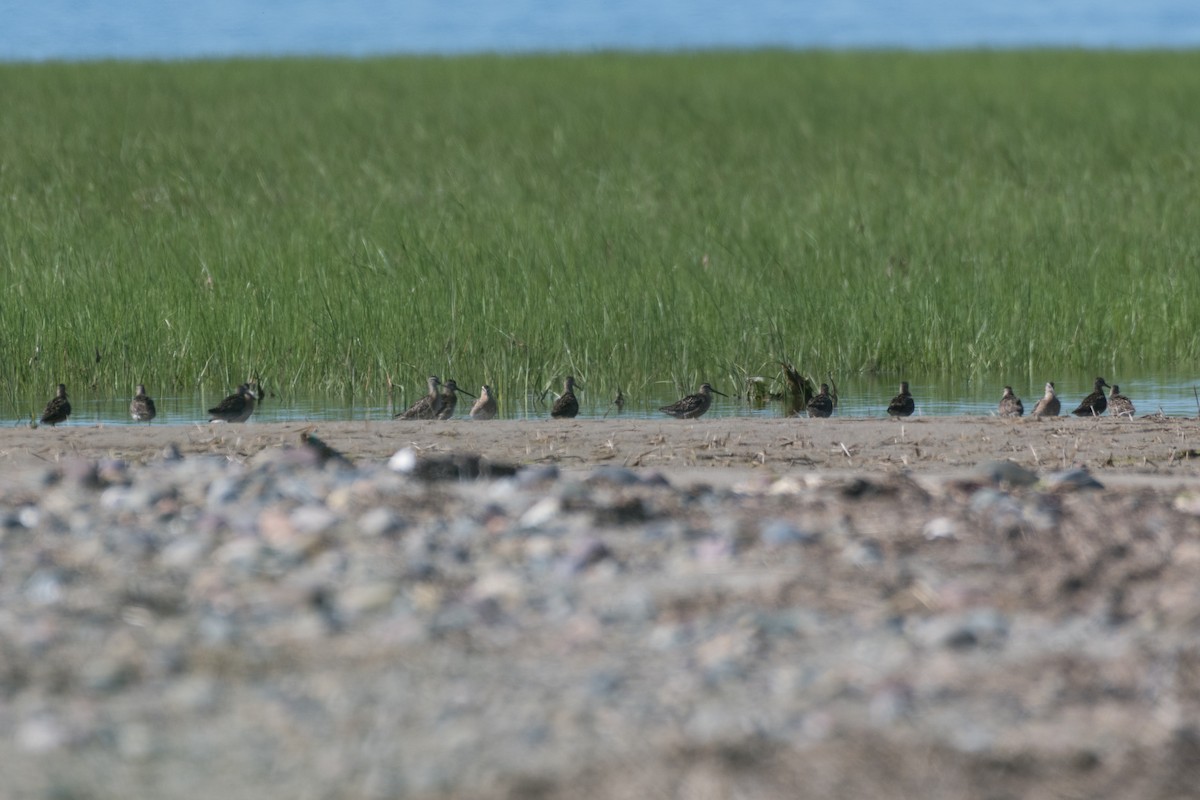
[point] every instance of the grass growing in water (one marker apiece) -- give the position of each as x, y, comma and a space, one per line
648, 221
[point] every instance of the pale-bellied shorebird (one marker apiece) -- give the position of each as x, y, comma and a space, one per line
902, 405
693, 405
1010, 404
1095, 403
450, 392
58, 409
1118, 404
1049, 405
567, 405
141, 408
822, 404
485, 406
429, 406
236, 408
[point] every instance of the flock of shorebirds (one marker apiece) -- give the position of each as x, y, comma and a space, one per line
442, 399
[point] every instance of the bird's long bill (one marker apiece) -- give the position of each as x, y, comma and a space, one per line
714, 391
463, 391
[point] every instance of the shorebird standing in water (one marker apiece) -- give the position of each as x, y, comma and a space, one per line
429, 406
902, 405
1010, 404
485, 406
1095, 403
141, 408
236, 408
450, 392
822, 404
1048, 406
1118, 404
693, 405
58, 409
566, 406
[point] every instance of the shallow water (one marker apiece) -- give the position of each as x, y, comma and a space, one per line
859, 397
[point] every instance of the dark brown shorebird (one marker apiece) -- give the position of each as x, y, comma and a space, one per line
58, 409
822, 404
1095, 403
485, 406
567, 405
693, 405
236, 408
1010, 404
141, 408
902, 405
429, 406
1048, 406
450, 392
1118, 404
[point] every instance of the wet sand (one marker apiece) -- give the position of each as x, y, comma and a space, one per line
1122, 449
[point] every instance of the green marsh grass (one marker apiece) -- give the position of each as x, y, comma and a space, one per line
647, 221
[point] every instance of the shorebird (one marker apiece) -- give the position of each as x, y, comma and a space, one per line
485, 406
822, 404
450, 392
58, 409
1118, 404
1048, 406
1094, 404
902, 405
141, 408
1010, 404
693, 405
566, 406
429, 406
236, 408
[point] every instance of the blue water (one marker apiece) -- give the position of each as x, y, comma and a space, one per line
36, 30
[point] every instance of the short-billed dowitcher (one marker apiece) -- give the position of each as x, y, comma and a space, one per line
428, 406
1095, 403
141, 408
450, 392
485, 406
1010, 404
566, 406
822, 404
58, 409
236, 408
1118, 404
1048, 406
693, 405
902, 405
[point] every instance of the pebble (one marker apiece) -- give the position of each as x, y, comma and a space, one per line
459, 614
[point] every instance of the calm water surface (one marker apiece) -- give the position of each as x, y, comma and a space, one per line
1174, 395
34, 30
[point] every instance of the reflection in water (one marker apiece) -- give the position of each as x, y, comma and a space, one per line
1175, 397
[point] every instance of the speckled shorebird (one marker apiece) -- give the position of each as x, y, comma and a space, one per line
693, 405
1010, 404
141, 408
1094, 404
902, 405
429, 406
1048, 406
822, 404
450, 392
566, 406
58, 409
236, 408
485, 406
1118, 404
